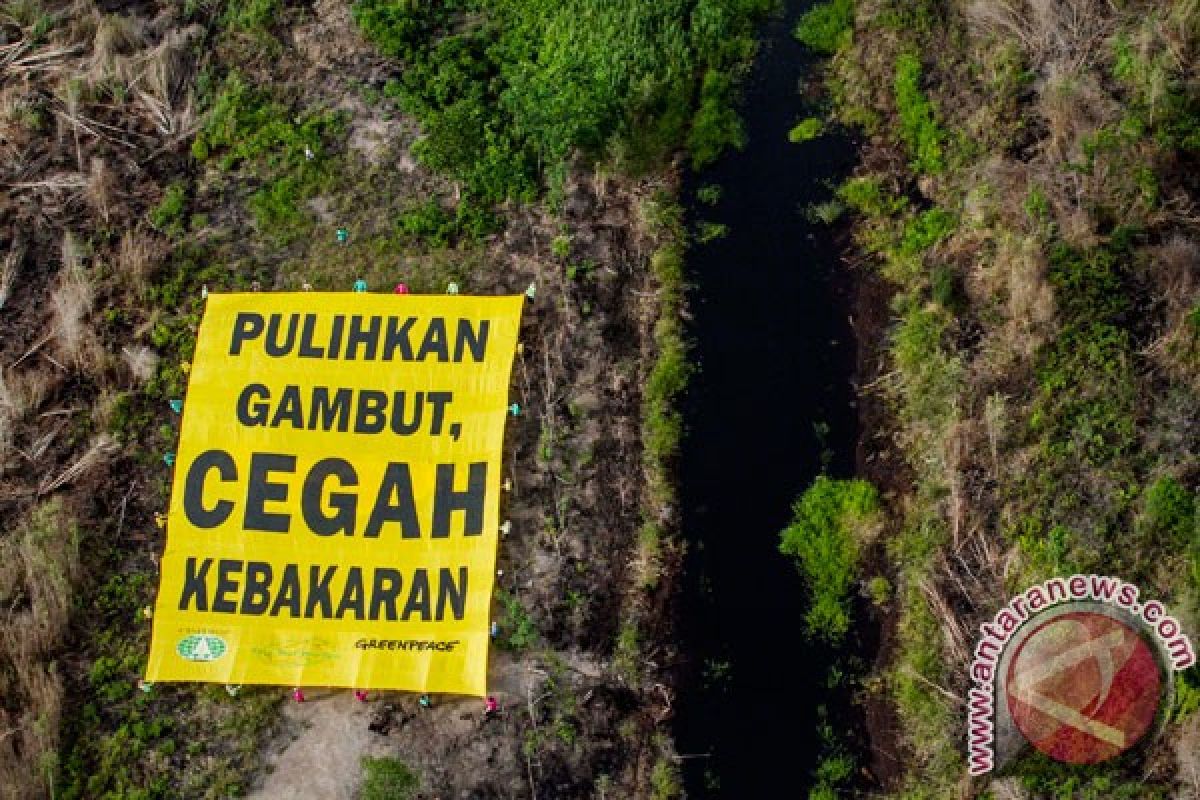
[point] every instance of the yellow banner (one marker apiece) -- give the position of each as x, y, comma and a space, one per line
334, 513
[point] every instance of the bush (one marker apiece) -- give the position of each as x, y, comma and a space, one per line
867, 195
1171, 514
665, 781
709, 194
918, 126
167, 216
827, 27
806, 130
830, 522
250, 15
925, 230
387, 779
716, 125
517, 626
668, 378
428, 222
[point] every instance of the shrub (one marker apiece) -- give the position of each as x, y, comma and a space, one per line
709, 194
167, 216
925, 230
428, 222
827, 27
518, 627
250, 15
1171, 513
707, 231
918, 125
867, 195
665, 782
387, 779
716, 125
806, 130
668, 378
275, 206
830, 522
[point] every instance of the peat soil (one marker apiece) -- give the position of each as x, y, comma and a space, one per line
771, 407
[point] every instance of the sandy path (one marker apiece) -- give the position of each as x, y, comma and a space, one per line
319, 753
320, 758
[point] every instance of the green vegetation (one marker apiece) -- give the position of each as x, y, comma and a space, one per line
388, 779
168, 215
831, 522
661, 420
710, 194
1037, 358
224, 154
517, 628
288, 153
507, 96
918, 123
806, 130
665, 781
827, 27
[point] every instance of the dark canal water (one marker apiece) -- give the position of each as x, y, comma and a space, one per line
776, 354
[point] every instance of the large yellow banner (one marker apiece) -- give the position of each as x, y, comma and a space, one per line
334, 513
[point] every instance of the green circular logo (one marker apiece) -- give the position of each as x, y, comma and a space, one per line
201, 647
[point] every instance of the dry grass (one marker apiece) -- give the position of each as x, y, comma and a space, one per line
98, 453
108, 83
1187, 750
21, 393
41, 561
1031, 306
71, 303
7, 426
1048, 30
137, 256
141, 361
8, 271
101, 188
1073, 105
115, 37
162, 92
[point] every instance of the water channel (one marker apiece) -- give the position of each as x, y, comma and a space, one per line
771, 404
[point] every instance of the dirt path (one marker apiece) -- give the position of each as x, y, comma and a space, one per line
324, 739
318, 756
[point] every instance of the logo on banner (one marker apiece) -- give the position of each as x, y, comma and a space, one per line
201, 647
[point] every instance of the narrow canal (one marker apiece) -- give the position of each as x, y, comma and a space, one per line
771, 403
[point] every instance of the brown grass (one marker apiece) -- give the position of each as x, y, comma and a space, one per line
7, 425
141, 362
8, 271
137, 256
162, 92
70, 303
99, 451
1073, 105
101, 189
21, 393
1048, 30
115, 36
41, 561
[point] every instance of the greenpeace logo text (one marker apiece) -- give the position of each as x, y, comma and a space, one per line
407, 644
